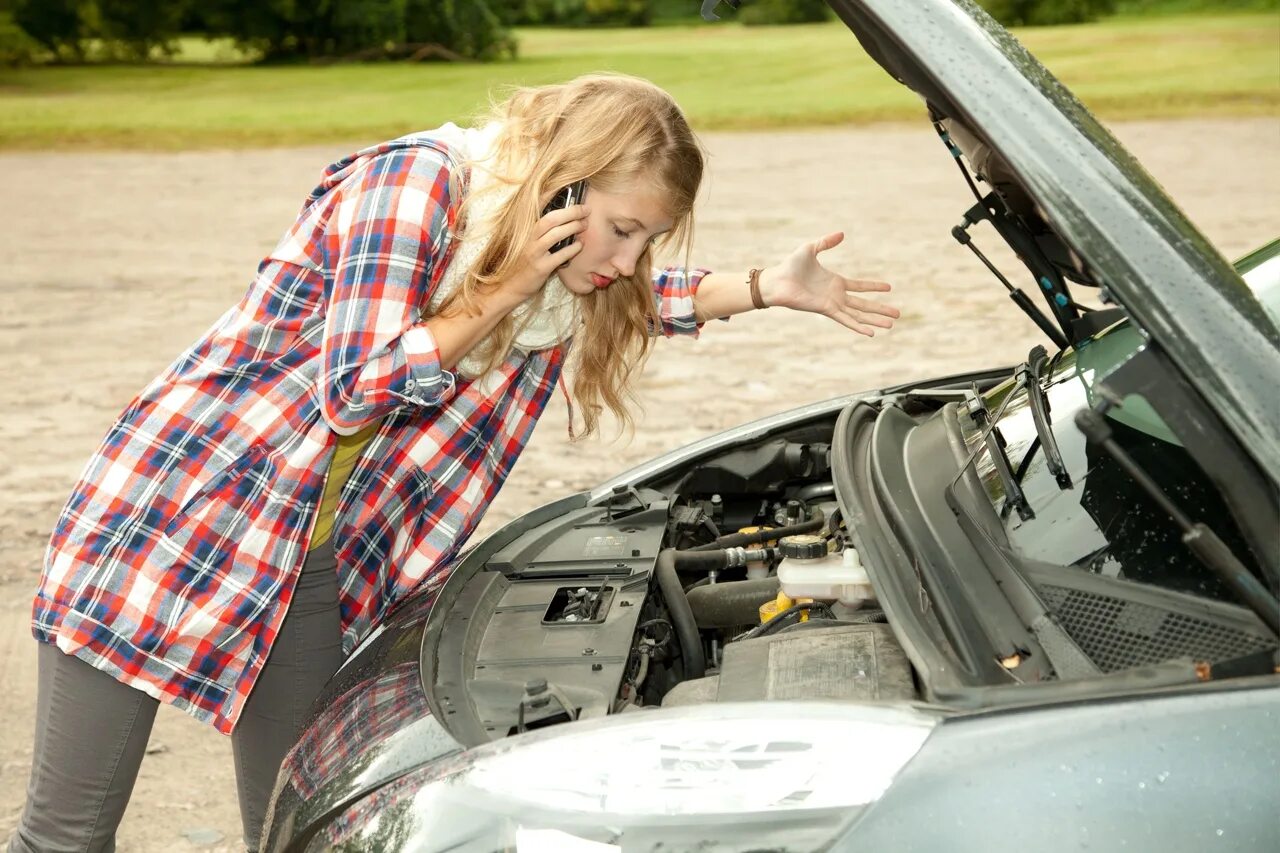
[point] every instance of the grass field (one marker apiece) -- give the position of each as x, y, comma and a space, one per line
725, 77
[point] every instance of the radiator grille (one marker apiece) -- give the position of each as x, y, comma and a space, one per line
1118, 634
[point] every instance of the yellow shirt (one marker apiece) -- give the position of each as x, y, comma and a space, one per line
344, 462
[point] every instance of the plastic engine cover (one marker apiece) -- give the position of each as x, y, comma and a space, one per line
843, 662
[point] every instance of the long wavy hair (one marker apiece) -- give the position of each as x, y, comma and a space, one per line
618, 133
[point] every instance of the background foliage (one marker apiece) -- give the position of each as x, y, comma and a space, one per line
273, 30
759, 12
577, 13
276, 31
1047, 12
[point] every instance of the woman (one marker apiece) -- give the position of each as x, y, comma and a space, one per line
335, 437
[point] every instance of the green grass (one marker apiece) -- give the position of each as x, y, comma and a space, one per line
725, 77
1185, 7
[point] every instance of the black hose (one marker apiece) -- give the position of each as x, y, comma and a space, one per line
732, 603
735, 540
695, 662
701, 561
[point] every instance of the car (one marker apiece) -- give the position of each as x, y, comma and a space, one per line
1029, 607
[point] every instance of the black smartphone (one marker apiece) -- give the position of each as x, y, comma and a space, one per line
566, 197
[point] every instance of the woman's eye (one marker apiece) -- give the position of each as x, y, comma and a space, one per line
622, 234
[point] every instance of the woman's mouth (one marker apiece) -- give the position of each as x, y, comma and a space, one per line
600, 281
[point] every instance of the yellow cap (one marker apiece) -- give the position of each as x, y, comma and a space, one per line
770, 609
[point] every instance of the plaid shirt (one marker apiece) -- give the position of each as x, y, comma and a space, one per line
173, 563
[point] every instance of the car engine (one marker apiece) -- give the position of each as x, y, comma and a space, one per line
672, 594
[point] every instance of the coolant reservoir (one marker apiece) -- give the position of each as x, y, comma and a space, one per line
808, 570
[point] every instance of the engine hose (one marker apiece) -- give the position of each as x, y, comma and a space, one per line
816, 490
701, 561
731, 604
738, 539
695, 662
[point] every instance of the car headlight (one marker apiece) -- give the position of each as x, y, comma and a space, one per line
793, 771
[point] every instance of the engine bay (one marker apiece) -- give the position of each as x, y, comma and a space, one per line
730, 574
669, 595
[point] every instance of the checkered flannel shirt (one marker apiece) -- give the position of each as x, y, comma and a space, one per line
173, 563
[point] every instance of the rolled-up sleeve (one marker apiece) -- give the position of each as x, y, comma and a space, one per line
383, 243
674, 289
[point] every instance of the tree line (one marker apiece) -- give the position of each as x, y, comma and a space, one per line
316, 30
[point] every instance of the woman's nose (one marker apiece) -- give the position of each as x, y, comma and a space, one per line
625, 263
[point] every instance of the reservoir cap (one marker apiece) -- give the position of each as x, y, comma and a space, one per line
803, 546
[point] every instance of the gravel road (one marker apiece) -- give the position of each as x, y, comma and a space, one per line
113, 262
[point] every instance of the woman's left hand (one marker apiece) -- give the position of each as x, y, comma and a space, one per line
802, 283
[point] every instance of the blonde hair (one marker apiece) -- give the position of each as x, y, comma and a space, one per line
617, 132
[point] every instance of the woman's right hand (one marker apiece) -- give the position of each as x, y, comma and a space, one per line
539, 263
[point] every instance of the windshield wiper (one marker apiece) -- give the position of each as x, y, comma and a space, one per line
1196, 535
1040, 417
994, 442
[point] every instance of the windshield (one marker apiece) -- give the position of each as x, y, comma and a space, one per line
1104, 523
1261, 271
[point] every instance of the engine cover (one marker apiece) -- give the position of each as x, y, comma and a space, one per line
845, 662
558, 606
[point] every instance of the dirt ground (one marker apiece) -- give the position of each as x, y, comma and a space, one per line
112, 263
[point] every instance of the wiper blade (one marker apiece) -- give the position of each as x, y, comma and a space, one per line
1040, 417
994, 443
1196, 535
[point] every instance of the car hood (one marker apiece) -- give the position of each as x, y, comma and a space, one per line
1094, 195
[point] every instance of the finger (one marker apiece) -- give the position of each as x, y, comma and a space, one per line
562, 257
556, 218
867, 285
874, 320
828, 242
870, 306
559, 232
851, 322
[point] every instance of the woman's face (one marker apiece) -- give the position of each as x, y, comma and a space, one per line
620, 227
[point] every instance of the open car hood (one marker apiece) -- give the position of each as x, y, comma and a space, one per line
1093, 196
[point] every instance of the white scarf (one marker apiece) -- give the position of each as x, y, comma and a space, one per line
556, 319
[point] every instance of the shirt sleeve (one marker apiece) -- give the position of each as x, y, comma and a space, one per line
673, 291
383, 242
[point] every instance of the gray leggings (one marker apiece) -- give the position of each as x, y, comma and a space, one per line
91, 730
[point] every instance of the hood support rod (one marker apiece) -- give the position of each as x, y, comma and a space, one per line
974, 215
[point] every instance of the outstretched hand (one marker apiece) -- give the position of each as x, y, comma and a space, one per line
802, 283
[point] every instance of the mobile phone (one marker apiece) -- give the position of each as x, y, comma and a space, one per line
566, 197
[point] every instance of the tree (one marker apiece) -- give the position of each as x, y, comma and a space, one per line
784, 12
16, 47
288, 30
134, 28
466, 27
57, 25
576, 13
1047, 12
366, 25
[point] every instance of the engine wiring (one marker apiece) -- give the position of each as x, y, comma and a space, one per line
790, 616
